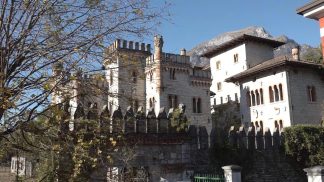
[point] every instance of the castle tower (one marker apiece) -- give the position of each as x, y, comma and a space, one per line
315, 10
57, 75
158, 45
125, 74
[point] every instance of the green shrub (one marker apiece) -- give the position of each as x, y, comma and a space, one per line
305, 143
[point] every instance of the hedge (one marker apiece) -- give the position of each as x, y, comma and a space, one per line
305, 143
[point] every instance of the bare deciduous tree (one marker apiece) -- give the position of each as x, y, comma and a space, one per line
35, 35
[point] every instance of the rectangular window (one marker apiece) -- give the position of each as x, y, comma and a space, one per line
311, 93
219, 86
221, 100
235, 58
218, 65
228, 98
236, 97
214, 101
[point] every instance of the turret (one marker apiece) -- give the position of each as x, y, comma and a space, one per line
158, 45
57, 68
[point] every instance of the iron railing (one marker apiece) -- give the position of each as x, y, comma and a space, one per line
209, 178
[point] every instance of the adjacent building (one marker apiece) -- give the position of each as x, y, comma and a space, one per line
281, 92
315, 10
235, 56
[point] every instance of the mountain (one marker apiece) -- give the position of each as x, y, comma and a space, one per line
307, 52
218, 40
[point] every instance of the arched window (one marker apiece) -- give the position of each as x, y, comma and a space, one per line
280, 91
261, 125
173, 101
261, 96
253, 98
280, 125
111, 75
173, 74
276, 93
151, 103
134, 77
194, 109
135, 105
199, 105
256, 124
257, 97
248, 99
175, 105
276, 124
151, 76
270, 94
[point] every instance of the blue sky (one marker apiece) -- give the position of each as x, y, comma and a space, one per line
194, 21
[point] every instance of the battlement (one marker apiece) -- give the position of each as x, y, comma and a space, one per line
198, 73
170, 58
120, 44
145, 129
254, 138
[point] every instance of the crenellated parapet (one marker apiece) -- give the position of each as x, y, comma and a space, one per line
120, 44
81, 80
141, 128
169, 59
255, 138
201, 78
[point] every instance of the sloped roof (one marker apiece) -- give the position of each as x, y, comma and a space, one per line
273, 63
240, 39
308, 6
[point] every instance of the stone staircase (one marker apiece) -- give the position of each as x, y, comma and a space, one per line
273, 166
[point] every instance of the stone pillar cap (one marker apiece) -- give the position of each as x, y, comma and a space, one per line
234, 168
315, 170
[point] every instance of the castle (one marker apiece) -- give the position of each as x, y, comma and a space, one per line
270, 91
133, 76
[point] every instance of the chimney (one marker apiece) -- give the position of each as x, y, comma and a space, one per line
295, 53
183, 52
158, 44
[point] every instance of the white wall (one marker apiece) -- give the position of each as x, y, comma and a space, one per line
249, 55
227, 69
267, 112
122, 91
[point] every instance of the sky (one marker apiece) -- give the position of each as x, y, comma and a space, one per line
195, 21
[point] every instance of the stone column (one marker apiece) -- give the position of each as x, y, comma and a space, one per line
232, 173
315, 174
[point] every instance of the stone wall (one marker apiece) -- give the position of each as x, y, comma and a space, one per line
266, 160
159, 148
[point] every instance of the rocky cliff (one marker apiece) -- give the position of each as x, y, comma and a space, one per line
307, 52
